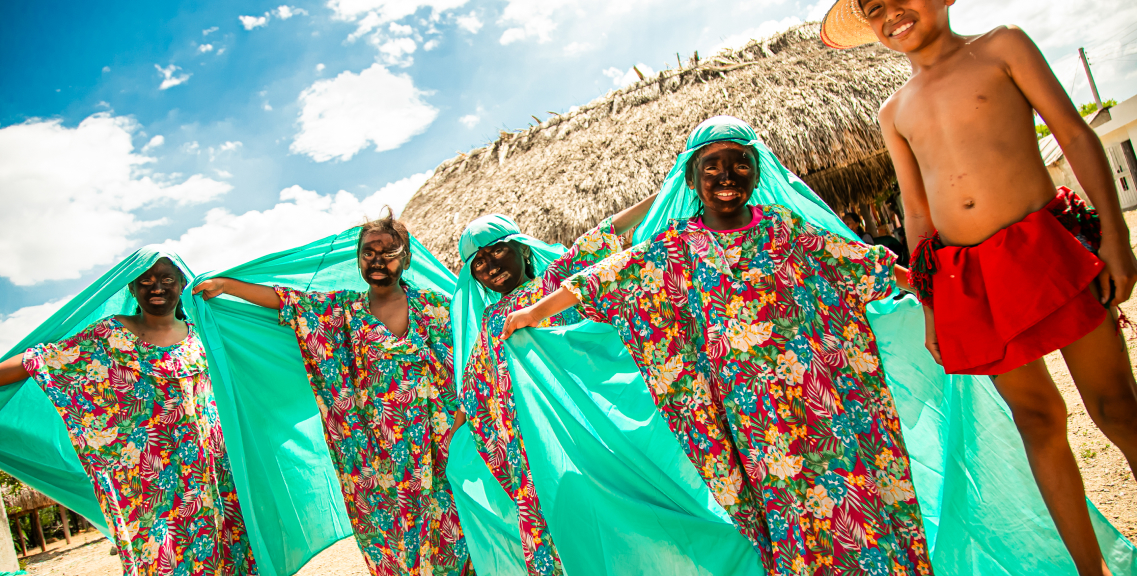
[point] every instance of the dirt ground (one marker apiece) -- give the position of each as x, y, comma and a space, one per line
1109, 485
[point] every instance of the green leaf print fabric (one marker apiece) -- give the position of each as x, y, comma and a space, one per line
34, 445
275, 429
983, 514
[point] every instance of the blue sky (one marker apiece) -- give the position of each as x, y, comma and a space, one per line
227, 130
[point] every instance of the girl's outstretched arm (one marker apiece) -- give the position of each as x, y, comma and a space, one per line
12, 370
531, 316
253, 293
631, 217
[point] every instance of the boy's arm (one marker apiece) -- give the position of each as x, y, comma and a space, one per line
254, 293
1033, 76
917, 216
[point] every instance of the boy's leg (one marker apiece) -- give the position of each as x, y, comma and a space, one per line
1099, 363
1040, 415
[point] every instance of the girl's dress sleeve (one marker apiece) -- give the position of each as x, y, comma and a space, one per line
592, 247
858, 271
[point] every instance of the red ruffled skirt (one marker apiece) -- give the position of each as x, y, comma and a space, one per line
1019, 295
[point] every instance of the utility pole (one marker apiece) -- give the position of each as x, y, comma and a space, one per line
1093, 86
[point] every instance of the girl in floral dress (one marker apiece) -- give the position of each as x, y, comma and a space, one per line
135, 396
520, 270
748, 324
380, 365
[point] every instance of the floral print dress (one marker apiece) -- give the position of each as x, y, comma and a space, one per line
756, 348
145, 426
487, 393
388, 403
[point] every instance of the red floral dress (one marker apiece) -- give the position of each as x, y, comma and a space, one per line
143, 421
388, 403
487, 393
755, 346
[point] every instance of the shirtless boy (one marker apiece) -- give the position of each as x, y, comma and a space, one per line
1003, 265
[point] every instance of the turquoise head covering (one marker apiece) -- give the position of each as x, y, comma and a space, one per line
470, 297
776, 184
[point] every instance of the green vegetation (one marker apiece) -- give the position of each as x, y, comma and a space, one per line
1042, 130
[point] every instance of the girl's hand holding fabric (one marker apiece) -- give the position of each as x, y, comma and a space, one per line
523, 318
263, 296
12, 370
550, 305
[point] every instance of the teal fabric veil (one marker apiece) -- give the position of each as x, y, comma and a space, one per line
470, 297
34, 445
590, 427
285, 476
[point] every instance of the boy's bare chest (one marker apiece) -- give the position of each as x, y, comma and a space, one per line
970, 99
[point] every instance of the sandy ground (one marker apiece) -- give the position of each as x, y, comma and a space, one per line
1109, 485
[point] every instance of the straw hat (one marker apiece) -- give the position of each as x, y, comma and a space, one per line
845, 26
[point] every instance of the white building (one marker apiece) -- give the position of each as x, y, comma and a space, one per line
1117, 128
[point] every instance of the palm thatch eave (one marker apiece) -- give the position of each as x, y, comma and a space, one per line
813, 106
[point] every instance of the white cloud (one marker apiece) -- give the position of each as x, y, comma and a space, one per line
267, 107
223, 173
208, 31
370, 14
302, 216
471, 120
815, 12
531, 19
400, 29
320, 67
397, 52
229, 146
285, 12
343, 115
170, 78
431, 44
577, 48
763, 30
470, 23
154, 143
17, 325
191, 147
205, 48
621, 78
58, 223
106, 69
250, 22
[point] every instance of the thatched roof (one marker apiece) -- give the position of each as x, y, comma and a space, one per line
25, 499
815, 107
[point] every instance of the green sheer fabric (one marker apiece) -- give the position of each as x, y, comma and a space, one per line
272, 425
34, 445
593, 434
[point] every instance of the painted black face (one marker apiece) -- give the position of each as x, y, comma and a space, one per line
499, 267
382, 259
159, 289
724, 176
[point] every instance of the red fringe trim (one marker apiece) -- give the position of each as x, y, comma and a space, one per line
922, 267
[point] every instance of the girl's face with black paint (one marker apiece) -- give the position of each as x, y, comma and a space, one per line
159, 289
499, 267
724, 175
382, 259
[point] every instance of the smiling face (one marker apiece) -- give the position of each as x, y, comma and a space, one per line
499, 267
907, 25
724, 175
159, 289
382, 258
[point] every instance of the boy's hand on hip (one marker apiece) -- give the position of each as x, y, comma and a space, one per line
1120, 268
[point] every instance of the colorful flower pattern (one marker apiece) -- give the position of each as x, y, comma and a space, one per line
144, 423
487, 393
388, 404
756, 348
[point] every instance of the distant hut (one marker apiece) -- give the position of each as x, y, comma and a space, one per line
813, 106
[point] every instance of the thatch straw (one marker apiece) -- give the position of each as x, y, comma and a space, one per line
813, 106
25, 499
